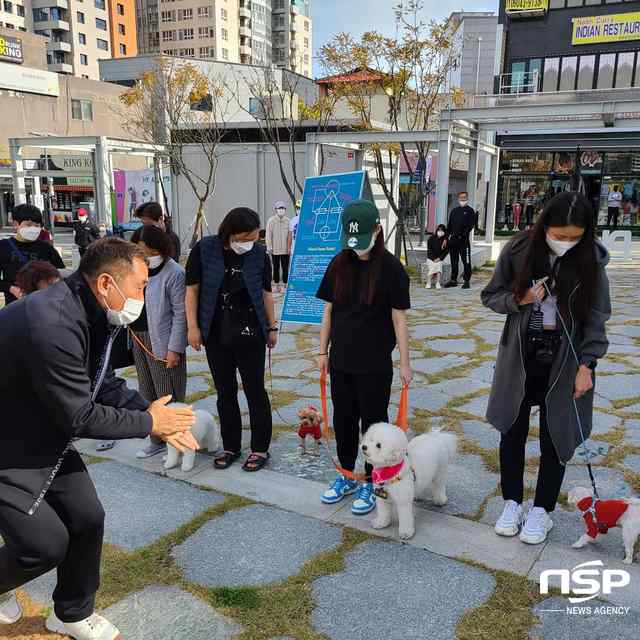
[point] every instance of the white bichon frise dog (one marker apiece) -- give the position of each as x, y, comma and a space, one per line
404, 470
623, 513
206, 434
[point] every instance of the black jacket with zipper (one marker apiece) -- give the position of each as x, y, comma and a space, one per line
51, 343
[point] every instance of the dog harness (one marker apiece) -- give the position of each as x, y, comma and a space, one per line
601, 515
388, 475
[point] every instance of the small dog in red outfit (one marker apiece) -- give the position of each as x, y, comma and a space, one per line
623, 513
310, 425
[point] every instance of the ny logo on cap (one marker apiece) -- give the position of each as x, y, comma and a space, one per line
353, 227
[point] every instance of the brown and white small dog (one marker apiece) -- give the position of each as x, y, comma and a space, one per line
624, 513
310, 425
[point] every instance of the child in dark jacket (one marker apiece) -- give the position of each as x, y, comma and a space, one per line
437, 250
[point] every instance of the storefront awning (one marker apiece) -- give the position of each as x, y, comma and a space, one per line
570, 141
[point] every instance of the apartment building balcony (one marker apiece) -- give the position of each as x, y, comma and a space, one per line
245, 49
59, 45
61, 67
245, 12
294, 27
245, 32
294, 45
51, 25
48, 4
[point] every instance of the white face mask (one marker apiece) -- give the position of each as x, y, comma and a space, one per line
560, 247
155, 261
281, 212
29, 233
363, 252
129, 313
440, 234
463, 203
241, 247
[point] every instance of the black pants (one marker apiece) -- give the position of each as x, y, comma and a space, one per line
65, 532
512, 446
82, 251
461, 250
224, 363
359, 400
530, 210
280, 261
612, 215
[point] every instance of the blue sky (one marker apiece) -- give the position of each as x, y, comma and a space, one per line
357, 16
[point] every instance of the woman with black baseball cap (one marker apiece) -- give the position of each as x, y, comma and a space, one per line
367, 293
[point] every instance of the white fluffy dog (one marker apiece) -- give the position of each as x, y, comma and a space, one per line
623, 513
206, 434
404, 470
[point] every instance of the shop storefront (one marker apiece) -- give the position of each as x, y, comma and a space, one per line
528, 179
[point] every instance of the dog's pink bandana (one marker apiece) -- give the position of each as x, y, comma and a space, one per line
383, 474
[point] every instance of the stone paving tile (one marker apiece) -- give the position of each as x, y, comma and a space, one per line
632, 433
40, 589
207, 404
618, 387
198, 366
417, 607
463, 345
159, 507
291, 541
291, 368
606, 366
168, 613
490, 336
437, 365
604, 423
286, 458
468, 485
424, 331
610, 482
481, 433
558, 625
633, 462
196, 384
483, 373
476, 407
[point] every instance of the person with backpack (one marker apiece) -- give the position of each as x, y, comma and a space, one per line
24, 247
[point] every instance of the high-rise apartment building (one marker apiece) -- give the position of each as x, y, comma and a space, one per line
261, 32
79, 32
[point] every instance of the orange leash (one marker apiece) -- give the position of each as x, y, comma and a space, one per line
144, 348
402, 420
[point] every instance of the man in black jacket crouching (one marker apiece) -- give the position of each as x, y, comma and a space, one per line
462, 221
56, 384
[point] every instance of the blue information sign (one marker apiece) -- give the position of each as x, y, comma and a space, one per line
318, 240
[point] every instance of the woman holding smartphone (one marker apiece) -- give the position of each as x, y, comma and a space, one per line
551, 283
366, 291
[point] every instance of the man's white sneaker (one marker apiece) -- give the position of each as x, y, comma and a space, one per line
536, 527
438, 285
428, 285
511, 519
10, 609
94, 627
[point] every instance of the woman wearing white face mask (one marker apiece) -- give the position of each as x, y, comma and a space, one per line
230, 311
550, 282
367, 293
161, 330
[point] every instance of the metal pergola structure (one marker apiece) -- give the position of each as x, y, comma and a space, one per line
467, 129
100, 147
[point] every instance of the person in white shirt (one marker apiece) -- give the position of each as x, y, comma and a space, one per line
293, 227
277, 238
615, 202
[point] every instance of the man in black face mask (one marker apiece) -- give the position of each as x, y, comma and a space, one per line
462, 221
56, 384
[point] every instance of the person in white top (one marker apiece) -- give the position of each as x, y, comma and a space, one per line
277, 238
615, 202
293, 227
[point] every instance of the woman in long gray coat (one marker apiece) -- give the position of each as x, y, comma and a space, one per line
547, 279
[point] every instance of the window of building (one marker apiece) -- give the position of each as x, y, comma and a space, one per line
102, 44
224, 14
203, 32
279, 21
101, 24
606, 68
120, 9
187, 52
185, 14
123, 49
20, 10
185, 34
168, 36
168, 16
84, 60
203, 12
306, 58
306, 43
225, 54
100, 4
306, 25
550, 77
80, 17
624, 72
568, 73
225, 34
586, 72
8, 6
82, 38
81, 110
121, 29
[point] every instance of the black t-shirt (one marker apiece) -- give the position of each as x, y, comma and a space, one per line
362, 336
15, 254
233, 291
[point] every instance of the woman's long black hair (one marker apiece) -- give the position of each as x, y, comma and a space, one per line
577, 266
238, 220
345, 273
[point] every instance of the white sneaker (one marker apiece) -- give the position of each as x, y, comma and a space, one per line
10, 609
428, 285
536, 527
511, 519
438, 285
94, 627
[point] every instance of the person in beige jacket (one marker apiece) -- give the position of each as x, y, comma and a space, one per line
278, 245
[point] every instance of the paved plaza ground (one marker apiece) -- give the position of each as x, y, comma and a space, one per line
226, 554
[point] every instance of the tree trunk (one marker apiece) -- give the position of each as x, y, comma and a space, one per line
198, 225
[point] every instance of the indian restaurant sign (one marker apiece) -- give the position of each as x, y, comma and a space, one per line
617, 27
